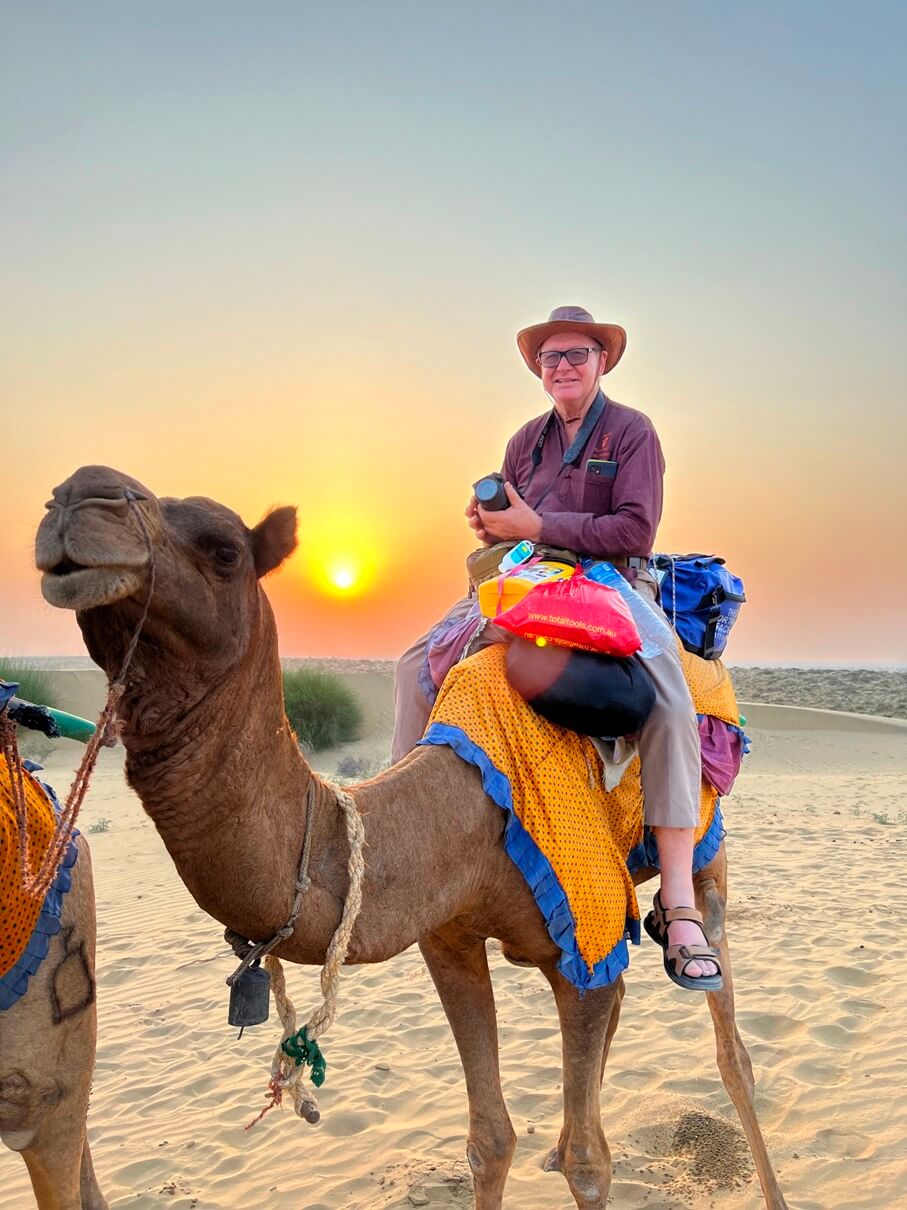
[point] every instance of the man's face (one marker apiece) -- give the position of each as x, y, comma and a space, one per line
571, 385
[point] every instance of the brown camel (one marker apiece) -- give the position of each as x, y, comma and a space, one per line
216, 765
47, 1049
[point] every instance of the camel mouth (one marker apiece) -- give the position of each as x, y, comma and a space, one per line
66, 567
69, 585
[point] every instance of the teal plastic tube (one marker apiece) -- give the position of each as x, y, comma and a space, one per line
71, 726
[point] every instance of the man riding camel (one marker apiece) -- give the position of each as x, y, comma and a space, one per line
603, 502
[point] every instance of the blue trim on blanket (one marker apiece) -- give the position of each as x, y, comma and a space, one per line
537, 869
14, 984
645, 855
747, 742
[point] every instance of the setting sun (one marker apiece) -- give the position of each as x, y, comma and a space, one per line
342, 576
341, 555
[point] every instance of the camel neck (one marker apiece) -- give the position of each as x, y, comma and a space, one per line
226, 788
221, 776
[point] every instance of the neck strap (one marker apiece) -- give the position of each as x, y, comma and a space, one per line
573, 451
591, 419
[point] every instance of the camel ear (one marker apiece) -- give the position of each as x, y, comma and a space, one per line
273, 539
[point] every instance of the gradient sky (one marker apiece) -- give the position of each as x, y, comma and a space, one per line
277, 253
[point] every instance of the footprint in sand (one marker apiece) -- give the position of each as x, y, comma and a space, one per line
863, 1008
836, 1036
850, 1144
817, 1074
851, 976
769, 1027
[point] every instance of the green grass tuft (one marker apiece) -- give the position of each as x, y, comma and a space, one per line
34, 685
322, 709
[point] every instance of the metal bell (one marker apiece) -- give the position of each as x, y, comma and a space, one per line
249, 997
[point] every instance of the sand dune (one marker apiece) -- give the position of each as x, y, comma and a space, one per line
818, 901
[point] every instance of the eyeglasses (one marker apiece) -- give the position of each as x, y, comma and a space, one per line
575, 357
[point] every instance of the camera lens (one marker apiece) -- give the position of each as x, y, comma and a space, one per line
486, 490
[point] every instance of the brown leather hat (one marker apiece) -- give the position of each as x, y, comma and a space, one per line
612, 338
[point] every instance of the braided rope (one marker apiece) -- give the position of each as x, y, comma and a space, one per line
286, 1075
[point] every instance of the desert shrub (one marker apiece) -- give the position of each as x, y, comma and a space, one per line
100, 825
322, 709
34, 685
360, 767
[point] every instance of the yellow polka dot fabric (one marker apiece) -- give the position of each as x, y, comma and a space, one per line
553, 780
710, 687
19, 911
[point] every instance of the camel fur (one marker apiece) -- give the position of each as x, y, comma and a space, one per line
217, 767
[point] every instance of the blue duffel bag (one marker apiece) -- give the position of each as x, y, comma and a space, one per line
701, 598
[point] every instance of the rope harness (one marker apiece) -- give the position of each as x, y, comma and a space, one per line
298, 1048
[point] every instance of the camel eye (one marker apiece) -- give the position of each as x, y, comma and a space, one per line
227, 556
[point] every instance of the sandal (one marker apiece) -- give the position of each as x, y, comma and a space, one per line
678, 957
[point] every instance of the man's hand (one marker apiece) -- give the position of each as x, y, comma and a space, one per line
475, 521
517, 522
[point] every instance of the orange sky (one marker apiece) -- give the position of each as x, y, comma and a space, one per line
284, 262
379, 463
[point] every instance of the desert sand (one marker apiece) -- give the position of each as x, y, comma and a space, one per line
817, 826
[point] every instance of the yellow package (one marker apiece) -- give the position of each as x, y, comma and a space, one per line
506, 589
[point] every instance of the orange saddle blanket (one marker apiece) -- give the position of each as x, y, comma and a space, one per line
572, 840
27, 922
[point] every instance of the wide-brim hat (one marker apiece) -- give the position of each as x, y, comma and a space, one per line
611, 337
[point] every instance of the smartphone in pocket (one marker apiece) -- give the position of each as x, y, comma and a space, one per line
602, 467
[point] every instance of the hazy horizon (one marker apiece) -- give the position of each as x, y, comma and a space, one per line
61, 661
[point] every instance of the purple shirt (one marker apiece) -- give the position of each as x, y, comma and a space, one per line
592, 514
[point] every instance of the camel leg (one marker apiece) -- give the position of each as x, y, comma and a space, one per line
733, 1060
619, 992
47, 1048
92, 1197
552, 1162
588, 1025
54, 1161
459, 968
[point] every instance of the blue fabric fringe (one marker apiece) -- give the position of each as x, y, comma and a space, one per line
14, 984
537, 870
747, 742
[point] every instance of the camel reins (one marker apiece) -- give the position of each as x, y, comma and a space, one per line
249, 951
37, 883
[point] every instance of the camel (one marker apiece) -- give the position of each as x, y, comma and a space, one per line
47, 1051
214, 761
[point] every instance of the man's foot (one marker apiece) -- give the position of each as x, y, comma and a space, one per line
689, 960
687, 933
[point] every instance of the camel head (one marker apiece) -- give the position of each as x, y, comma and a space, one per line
207, 606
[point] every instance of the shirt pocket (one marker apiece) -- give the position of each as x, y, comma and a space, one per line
596, 494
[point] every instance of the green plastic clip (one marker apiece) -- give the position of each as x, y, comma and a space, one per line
305, 1051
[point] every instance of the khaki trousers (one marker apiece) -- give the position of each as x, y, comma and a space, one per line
669, 751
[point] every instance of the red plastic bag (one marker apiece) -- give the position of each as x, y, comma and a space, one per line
575, 613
